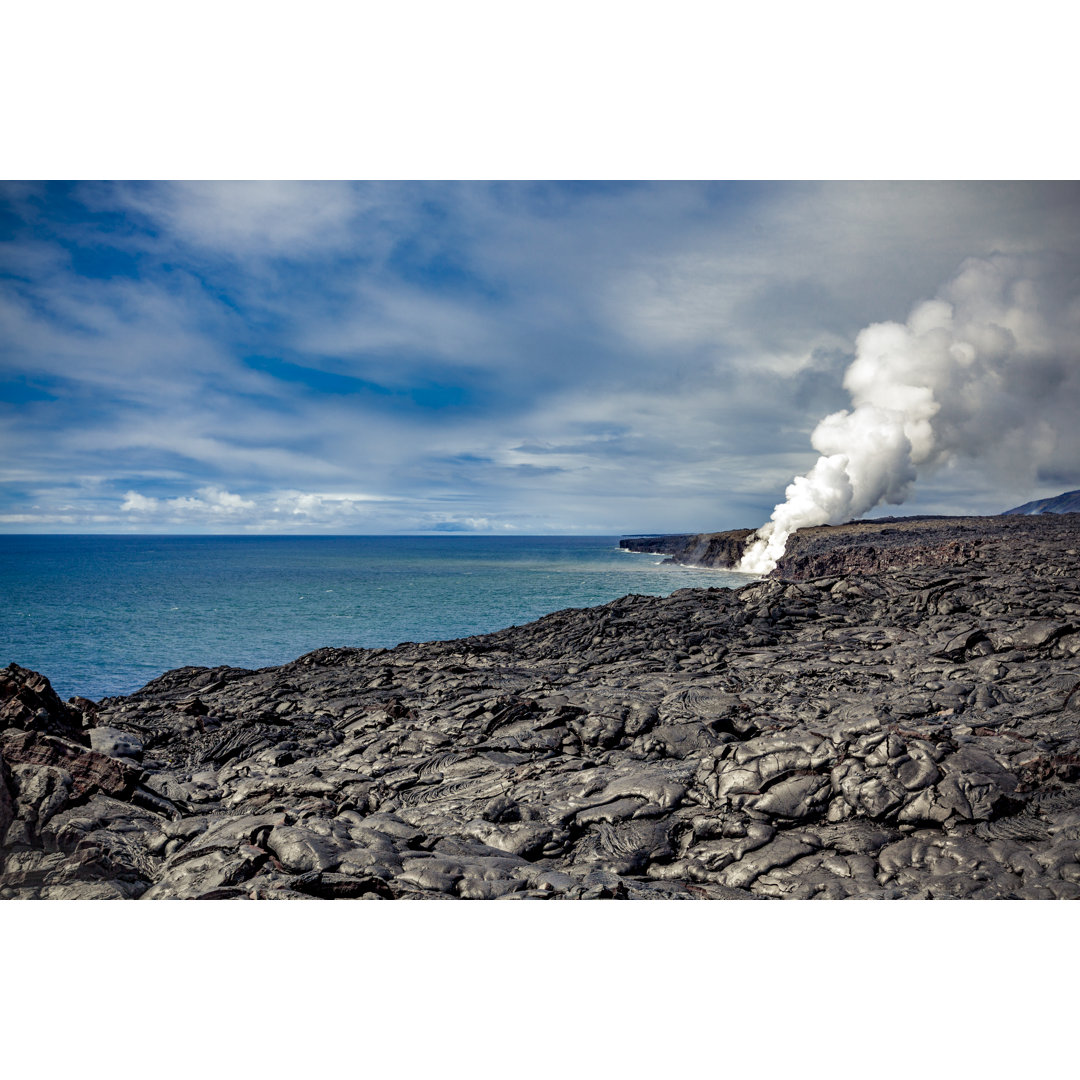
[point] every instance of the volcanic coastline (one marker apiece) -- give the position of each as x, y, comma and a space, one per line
862, 547
893, 713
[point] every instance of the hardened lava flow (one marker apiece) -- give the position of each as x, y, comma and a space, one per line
894, 713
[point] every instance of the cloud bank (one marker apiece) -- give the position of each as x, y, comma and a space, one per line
604, 358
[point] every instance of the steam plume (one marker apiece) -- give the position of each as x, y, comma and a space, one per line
978, 371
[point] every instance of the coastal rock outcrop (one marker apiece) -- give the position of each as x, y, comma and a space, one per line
879, 730
859, 547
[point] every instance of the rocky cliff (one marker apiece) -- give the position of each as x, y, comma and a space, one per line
907, 732
720, 550
859, 547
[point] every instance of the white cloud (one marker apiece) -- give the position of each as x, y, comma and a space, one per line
650, 359
224, 502
240, 218
464, 523
39, 519
322, 506
215, 506
134, 503
402, 319
210, 503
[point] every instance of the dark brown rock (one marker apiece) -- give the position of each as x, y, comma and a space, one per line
28, 702
90, 771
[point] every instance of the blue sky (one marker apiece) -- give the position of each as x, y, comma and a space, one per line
493, 357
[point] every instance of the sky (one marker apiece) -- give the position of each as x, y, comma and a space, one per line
496, 357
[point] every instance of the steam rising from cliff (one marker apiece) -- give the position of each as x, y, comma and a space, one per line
977, 372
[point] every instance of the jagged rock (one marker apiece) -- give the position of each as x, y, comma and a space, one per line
28, 702
89, 770
7, 802
904, 725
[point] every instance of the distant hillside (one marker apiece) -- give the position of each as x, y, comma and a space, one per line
1066, 503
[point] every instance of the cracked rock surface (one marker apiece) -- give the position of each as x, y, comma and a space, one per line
909, 733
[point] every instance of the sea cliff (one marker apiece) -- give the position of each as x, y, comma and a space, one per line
895, 713
864, 547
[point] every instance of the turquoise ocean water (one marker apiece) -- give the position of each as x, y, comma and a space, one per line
102, 615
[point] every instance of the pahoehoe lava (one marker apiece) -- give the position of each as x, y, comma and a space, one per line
894, 713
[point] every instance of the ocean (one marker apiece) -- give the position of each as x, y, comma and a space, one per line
103, 615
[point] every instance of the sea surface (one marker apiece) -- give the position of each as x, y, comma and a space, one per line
103, 615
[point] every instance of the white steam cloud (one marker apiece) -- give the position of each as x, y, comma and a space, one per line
987, 370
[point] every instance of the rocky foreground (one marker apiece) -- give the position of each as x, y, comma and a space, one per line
912, 732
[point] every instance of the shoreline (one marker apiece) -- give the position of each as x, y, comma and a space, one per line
102, 618
872, 546
905, 732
